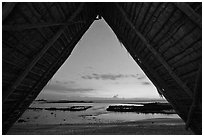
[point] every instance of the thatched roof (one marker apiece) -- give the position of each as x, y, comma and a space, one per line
163, 38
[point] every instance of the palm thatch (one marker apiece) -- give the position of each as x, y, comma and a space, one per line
163, 38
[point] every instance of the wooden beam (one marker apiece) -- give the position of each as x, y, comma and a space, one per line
7, 9
197, 94
150, 73
39, 55
156, 54
38, 25
49, 73
193, 16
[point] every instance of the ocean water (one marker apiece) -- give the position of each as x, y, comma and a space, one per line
96, 114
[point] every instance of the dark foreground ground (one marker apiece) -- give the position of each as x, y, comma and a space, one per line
144, 127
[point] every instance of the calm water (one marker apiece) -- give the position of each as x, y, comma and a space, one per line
96, 114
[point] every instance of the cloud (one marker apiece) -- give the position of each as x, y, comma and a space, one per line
65, 87
55, 87
89, 67
63, 82
108, 76
80, 89
141, 77
115, 96
146, 83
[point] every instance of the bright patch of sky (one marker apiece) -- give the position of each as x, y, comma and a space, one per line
99, 66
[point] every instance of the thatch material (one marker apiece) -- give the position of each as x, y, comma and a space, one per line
163, 38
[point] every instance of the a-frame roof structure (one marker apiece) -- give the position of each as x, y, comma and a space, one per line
163, 38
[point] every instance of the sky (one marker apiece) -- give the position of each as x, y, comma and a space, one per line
99, 67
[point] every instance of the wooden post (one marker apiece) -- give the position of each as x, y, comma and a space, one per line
24, 73
193, 16
7, 9
156, 54
197, 94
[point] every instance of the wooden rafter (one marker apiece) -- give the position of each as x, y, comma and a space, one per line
193, 16
178, 104
38, 25
150, 73
24, 73
156, 54
7, 9
51, 71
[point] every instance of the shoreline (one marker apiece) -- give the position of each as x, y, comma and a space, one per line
156, 126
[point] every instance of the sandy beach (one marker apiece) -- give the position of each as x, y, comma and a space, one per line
159, 126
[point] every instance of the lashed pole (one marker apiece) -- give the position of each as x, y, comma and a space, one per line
197, 94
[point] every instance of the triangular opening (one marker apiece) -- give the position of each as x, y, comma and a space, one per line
163, 38
101, 67
99, 70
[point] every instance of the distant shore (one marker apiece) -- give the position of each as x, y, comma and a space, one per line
159, 126
62, 101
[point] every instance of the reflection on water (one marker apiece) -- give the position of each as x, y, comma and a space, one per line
96, 114
126, 104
